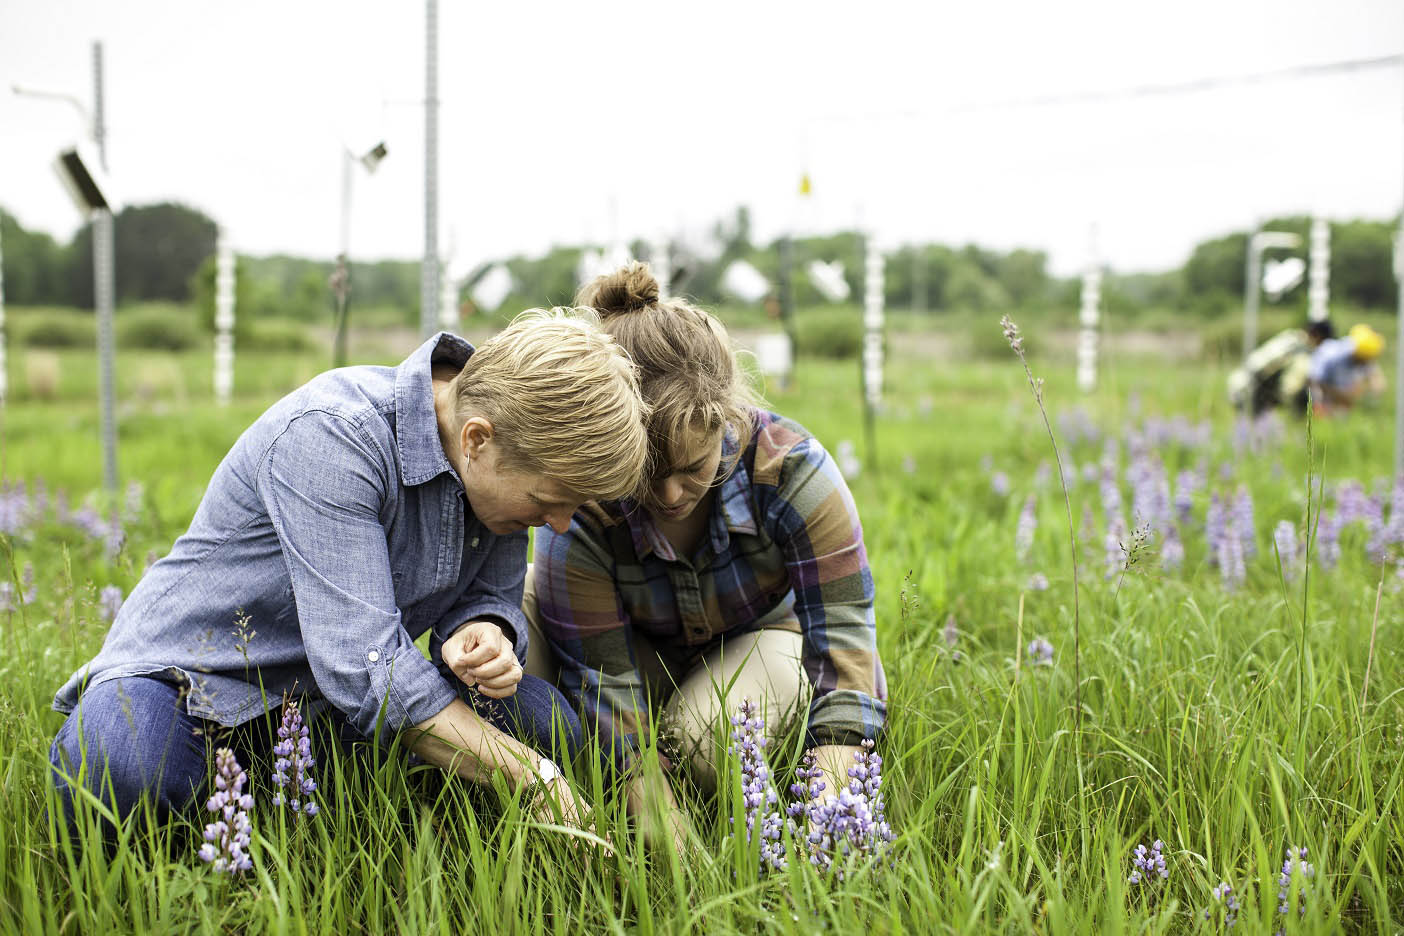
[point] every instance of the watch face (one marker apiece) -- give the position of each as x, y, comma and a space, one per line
547, 770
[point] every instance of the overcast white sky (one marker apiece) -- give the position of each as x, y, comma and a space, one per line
570, 121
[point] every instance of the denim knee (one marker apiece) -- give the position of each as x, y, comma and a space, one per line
130, 739
536, 714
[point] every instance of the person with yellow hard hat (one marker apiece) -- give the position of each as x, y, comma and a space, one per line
1343, 370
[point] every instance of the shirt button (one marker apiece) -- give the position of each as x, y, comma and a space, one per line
474, 544
373, 656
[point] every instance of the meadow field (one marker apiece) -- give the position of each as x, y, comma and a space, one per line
1239, 682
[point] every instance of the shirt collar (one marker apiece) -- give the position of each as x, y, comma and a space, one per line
416, 426
731, 512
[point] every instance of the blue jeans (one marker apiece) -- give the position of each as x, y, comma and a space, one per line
141, 743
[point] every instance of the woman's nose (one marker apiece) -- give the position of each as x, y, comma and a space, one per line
669, 490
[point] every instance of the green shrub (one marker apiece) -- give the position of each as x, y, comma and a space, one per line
274, 335
987, 339
829, 332
61, 331
158, 329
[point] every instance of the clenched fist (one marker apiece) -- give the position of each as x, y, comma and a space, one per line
481, 655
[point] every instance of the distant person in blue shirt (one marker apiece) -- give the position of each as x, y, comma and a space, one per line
1343, 370
1276, 372
360, 511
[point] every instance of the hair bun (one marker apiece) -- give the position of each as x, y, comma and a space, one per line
626, 290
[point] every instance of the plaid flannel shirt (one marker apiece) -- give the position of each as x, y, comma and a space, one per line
783, 529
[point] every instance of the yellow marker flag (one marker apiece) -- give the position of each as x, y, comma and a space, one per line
804, 184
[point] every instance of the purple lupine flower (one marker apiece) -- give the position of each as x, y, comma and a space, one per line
1024, 535
1044, 474
757, 790
14, 509
1223, 894
999, 483
7, 597
113, 536
1229, 556
850, 825
227, 838
292, 770
1149, 864
1172, 551
28, 590
1243, 521
89, 522
1215, 527
1038, 582
110, 602
1039, 652
1090, 472
136, 499
1328, 545
1115, 549
1284, 537
1295, 866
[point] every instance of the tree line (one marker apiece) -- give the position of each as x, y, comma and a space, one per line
164, 252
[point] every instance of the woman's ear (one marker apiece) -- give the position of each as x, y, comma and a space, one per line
476, 432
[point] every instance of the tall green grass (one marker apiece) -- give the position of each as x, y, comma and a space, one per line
1228, 724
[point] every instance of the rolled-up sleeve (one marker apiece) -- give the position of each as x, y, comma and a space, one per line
324, 482
495, 594
587, 627
813, 519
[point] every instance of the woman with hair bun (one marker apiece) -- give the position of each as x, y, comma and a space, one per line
737, 572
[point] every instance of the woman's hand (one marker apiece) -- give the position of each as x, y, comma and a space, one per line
480, 654
558, 804
833, 761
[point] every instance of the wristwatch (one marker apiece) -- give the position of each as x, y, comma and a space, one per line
547, 771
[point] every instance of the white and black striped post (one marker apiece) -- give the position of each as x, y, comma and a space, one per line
224, 320
872, 355
1089, 314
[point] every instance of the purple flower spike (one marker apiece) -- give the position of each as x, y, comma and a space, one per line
28, 590
1024, 535
227, 838
850, 825
1040, 652
1149, 864
757, 790
1295, 866
292, 770
110, 602
1223, 894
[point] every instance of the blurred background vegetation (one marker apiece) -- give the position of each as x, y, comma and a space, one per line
165, 287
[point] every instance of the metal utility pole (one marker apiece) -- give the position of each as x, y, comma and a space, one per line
4, 367
1258, 241
429, 285
103, 292
1399, 350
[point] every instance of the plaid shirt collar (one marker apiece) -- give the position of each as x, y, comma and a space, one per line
731, 513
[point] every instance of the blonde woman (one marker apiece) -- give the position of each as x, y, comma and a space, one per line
738, 573
360, 511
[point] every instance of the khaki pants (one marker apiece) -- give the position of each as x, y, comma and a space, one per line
694, 702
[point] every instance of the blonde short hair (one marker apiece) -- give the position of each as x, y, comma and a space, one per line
687, 366
563, 399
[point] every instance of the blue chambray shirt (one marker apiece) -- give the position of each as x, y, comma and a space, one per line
337, 525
